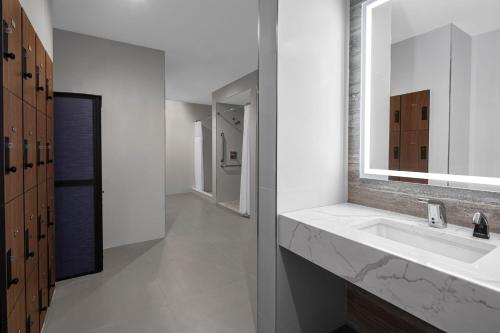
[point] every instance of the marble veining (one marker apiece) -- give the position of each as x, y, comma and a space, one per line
452, 295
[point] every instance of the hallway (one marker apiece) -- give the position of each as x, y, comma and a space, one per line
200, 278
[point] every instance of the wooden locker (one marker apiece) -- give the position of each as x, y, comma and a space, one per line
12, 56
32, 304
16, 321
41, 147
29, 146
43, 251
50, 147
49, 74
29, 62
31, 230
41, 94
14, 247
415, 119
13, 141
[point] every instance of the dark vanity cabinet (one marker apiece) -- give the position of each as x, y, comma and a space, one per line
27, 214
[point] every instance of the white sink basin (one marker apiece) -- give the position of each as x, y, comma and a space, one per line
431, 240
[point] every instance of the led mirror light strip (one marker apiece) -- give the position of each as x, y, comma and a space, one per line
366, 116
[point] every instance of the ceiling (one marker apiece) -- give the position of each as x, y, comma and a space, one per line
207, 43
414, 17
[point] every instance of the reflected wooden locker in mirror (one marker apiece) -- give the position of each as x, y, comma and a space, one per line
28, 175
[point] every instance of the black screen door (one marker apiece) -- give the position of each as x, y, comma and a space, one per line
78, 184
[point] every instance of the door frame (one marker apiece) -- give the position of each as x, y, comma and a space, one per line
98, 192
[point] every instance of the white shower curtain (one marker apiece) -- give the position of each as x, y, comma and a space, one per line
198, 156
245, 165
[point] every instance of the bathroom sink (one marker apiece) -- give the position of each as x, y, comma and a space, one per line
431, 240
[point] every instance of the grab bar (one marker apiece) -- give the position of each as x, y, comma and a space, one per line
223, 140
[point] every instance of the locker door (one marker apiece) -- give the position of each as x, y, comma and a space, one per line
29, 62
50, 148
29, 146
41, 94
14, 247
13, 141
32, 317
42, 251
31, 230
12, 39
16, 322
50, 85
41, 144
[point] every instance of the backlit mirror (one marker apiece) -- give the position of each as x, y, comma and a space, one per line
431, 92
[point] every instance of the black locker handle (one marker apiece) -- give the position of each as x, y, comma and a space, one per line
7, 30
39, 154
49, 148
26, 74
9, 55
397, 117
39, 222
38, 86
41, 308
8, 148
49, 97
28, 253
27, 165
396, 153
423, 153
10, 281
29, 323
48, 217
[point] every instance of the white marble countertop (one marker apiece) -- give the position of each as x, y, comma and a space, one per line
453, 295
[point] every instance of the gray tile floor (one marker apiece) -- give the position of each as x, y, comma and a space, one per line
200, 278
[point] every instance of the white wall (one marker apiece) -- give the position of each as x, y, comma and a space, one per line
311, 104
381, 87
460, 102
311, 150
179, 123
40, 15
423, 63
485, 106
131, 81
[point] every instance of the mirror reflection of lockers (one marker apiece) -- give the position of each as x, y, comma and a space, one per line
453, 54
409, 134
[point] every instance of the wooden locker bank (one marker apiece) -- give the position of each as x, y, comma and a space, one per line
27, 181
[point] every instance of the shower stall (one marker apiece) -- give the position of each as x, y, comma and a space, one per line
235, 109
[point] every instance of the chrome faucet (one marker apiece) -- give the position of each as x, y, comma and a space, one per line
436, 213
481, 226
